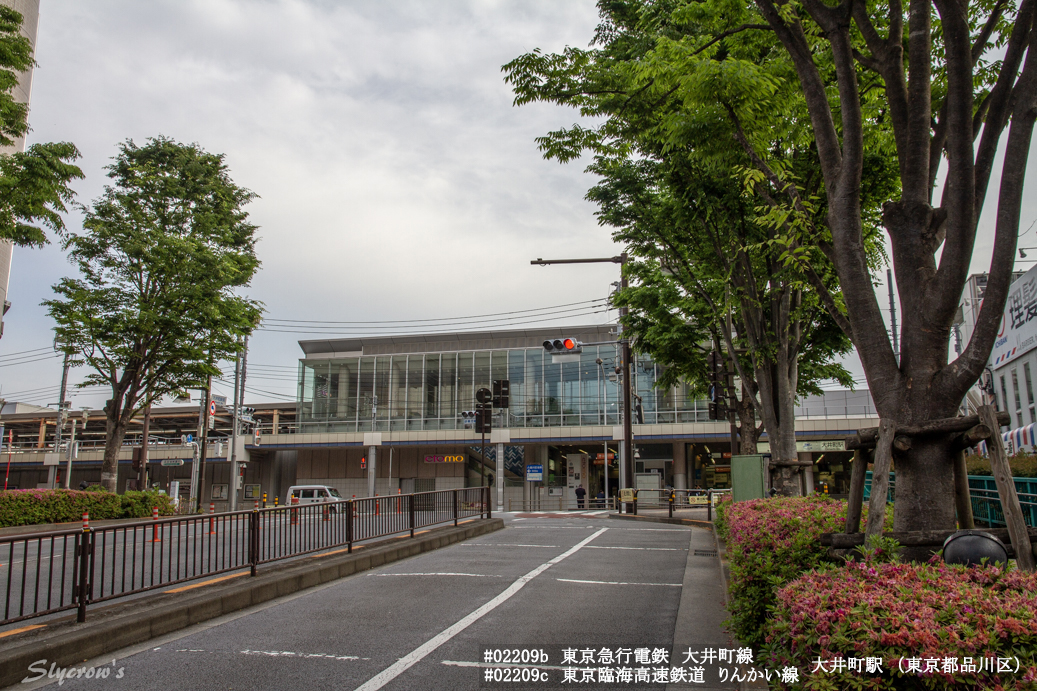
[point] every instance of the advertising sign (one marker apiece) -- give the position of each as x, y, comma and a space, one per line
459, 458
1018, 332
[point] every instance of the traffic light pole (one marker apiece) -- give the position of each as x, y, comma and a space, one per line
626, 461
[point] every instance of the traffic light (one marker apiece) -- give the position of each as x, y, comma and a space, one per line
468, 418
483, 417
501, 391
563, 346
363, 463
716, 389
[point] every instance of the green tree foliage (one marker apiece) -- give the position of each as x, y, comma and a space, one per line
161, 255
34, 184
684, 187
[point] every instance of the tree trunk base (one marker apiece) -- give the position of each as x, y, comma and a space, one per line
110, 481
786, 480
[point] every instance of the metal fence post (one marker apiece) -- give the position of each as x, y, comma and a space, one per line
455, 506
349, 527
635, 502
84, 549
253, 541
709, 505
671, 503
489, 511
410, 510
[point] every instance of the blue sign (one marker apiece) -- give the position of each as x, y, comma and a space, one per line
535, 473
190, 438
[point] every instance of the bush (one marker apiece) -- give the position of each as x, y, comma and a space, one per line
1022, 465
37, 506
771, 542
912, 611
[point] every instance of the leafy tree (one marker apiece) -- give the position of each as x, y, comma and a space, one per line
34, 184
934, 86
681, 191
161, 255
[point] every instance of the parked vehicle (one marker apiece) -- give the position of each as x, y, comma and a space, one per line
312, 494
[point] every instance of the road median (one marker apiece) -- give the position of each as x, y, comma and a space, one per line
136, 620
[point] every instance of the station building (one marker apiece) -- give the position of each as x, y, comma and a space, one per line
402, 403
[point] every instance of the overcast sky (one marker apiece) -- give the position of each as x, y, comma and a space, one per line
396, 180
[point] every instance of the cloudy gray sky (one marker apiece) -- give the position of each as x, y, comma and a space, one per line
396, 180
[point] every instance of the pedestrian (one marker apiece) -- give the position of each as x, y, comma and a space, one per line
82, 485
601, 499
580, 494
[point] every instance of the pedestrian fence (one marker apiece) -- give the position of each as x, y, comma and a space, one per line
561, 504
44, 573
676, 500
986, 503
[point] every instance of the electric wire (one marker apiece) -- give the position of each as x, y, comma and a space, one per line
474, 329
23, 352
440, 319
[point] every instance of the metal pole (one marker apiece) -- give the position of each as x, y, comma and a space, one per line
234, 436
52, 471
500, 476
71, 446
204, 441
893, 315
142, 474
371, 458
628, 430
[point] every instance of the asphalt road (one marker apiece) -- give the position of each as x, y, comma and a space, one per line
581, 586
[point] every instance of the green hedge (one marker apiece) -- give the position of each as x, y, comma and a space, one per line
37, 506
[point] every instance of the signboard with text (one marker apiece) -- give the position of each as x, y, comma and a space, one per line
457, 458
1018, 332
535, 473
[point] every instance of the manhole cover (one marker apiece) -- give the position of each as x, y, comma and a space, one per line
705, 553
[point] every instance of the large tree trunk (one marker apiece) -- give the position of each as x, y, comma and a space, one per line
747, 434
115, 431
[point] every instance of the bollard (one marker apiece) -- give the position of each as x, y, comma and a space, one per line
86, 522
275, 501
376, 503
295, 512
155, 537
398, 500
264, 500
212, 521
354, 505
256, 507
327, 514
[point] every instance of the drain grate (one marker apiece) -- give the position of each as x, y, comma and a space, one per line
705, 553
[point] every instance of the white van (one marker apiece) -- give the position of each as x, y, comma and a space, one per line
312, 494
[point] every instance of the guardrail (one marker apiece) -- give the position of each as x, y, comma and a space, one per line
986, 503
44, 573
562, 504
676, 500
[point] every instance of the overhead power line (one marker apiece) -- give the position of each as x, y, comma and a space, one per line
437, 319
333, 331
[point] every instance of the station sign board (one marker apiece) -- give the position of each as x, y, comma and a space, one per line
535, 473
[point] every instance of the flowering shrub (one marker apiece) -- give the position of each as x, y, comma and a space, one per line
918, 612
35, 506
771, 542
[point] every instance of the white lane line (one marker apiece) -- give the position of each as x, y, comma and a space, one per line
477, 575
573, 580
652, 549
494, 665
406, 662
590, 527
500, 544
289, 653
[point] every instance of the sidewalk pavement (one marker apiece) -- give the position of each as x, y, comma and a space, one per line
700, 616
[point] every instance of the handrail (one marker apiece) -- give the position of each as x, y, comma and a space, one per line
43, 573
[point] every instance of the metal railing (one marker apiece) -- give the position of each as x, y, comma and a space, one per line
562, 504
986, 502
675, 500
44, 573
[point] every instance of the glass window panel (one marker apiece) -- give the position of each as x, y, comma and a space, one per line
534, 393
482, 370
499, 365
465, 381
415, 379
1015, 389
1029, 383
344, 372
381, 389
590, 387
517, 379
365, 408
552, 393
431, 396
398, 387
448, 391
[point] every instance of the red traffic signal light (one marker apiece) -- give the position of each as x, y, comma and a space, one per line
561, 346
363, 463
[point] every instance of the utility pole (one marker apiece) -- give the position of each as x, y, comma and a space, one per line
626, 457
234, 436
142, 474
893, 315
52, 471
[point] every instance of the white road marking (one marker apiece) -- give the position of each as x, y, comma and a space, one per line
289, 653
653, 549
501, 544
573, 580
477, 575
494, 665
590, 527
419, 653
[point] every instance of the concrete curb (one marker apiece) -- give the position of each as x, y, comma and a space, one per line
694, 523
129, 623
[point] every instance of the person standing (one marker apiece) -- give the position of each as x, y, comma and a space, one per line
580, 494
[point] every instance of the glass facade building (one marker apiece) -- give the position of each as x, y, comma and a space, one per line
432, 390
